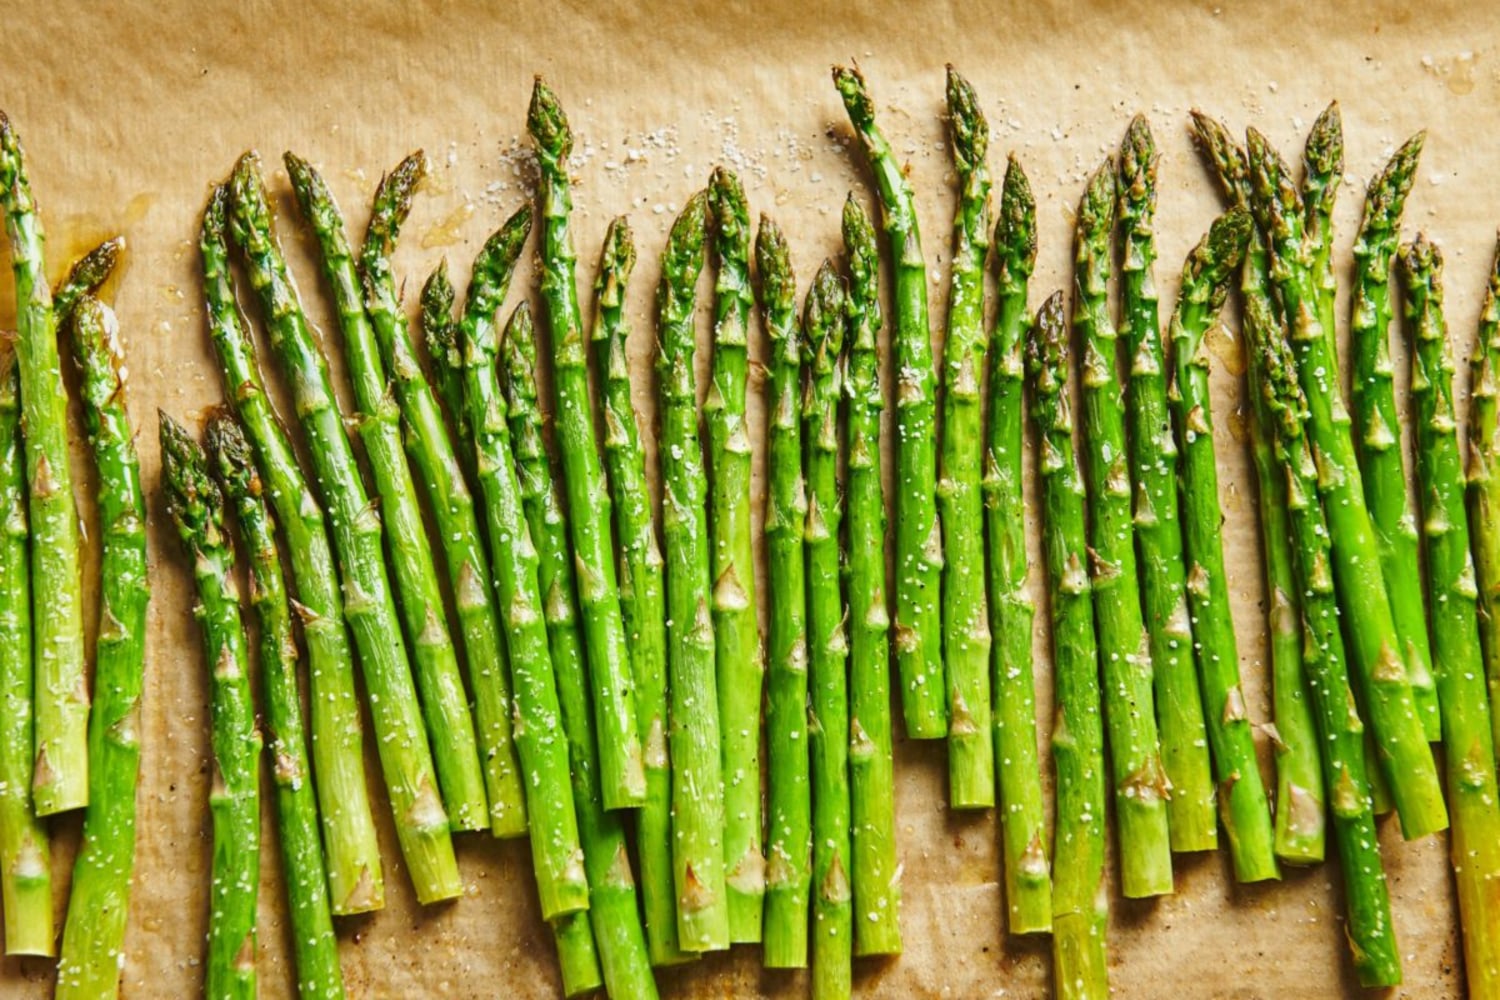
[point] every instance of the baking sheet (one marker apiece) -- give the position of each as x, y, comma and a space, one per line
129, 111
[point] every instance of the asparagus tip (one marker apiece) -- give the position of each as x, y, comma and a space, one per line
547, 122
970, 130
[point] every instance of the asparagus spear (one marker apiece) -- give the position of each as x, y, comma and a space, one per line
1158, 529
1300, 815
422, 825
25, 851
197, 509
85, 276
1372, 939
1023, 825
94, 936
612, 900
642, 597
355, 880
1377, 427
1322, 172
966, 627
431, 450
313, 944
1484, 483
557, 855
736, 628
445, 708
60, 773
1377, 651
789, 800
1140, 784
1080, 904
440, 333
874, 874
828, 647
621, 766
1452, 595
697, 785
1245, 812
919, 539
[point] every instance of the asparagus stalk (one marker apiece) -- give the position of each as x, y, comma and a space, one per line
445, 708
1377, 427
1023, 824
422, 825
313, 943
1300, 822
873, 871
94, 936
697, 786
1484, 483
440, 333
1322, 172
1376, 648
616, 922
1452, 595
197, 509
1140, 784
1372, 939
736, 628
557, 855
431, 451
789, 799
355, 880
965, 621
621, 764
642, 595
60, 695
919, 539
25, 851
828, 646
1192, 821
1080, 903
1245, 812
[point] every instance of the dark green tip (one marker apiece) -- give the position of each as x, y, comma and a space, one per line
1225, 155
212, 230
86, 276
437, 295
520, 357
503, 248
1386, 197
250, 220
1047, 348
230, 455
304, 178
1137, 171
774, 261
1274, 198
823, 322
1422, 262
11, 167
1096, 212
616, 263
726, 198
683, 257
393, 200
193, 500
966, 123
851, 85
1324, 153
860, 245
1015, 230
548, 124
1221, 251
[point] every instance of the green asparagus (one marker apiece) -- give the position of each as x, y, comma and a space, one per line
377, 421
440, 332
789, 799
737, 658
1451, 594
94, 936
1376, 648
1377, 427
197, 509
1192, 821
1484, 482
1322, 172
1140, 783
60, 694
355, 880
25, 851
622, 773
697, 785
642, 597
1300, 821
85, 276
1243, 807
1080, 902
1372, 939
612, 900
422, 825
313, 943
431, 451
873, 870
557, 855
965, 612
919, 538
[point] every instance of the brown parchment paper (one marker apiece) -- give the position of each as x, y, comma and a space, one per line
128, 111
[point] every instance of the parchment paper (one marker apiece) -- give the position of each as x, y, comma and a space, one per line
128, 111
